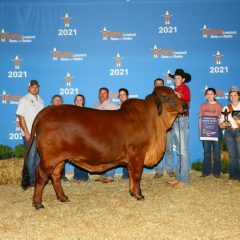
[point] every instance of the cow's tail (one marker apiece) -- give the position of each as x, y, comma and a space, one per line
25, 173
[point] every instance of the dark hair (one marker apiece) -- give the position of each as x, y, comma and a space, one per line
211, 89
80, 95
158, 79
56, 95
104, 88
123, 89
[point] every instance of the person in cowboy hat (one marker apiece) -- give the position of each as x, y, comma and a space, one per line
181, 129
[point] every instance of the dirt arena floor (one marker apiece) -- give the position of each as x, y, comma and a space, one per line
208, 208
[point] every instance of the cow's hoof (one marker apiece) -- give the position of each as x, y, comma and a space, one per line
38, 206
132, 194
63, 199
140, 198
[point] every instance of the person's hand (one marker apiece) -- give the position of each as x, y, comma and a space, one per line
27, 137
221, 125
179, 95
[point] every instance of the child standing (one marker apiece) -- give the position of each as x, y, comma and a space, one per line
211, 148
181, 129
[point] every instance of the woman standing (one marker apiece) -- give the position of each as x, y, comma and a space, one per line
58, 100
211, 108
123, 96
230, 121
79, 173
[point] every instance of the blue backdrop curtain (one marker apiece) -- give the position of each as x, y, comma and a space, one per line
74, 47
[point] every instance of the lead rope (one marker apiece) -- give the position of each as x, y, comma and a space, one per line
180, 153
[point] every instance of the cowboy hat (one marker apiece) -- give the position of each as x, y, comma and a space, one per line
181, 72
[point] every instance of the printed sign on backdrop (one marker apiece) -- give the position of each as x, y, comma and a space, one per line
81, 46
209, 128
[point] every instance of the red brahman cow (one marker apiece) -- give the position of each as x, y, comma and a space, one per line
96, 140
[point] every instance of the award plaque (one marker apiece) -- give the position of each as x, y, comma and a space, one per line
226, 123
236, 115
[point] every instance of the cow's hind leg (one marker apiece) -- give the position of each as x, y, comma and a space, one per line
130, 180
135, 174
41, 179
56, 182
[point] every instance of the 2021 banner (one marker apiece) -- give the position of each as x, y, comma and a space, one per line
74, 47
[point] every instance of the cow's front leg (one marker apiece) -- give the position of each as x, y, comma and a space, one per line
136, 168
56, 182
40, 182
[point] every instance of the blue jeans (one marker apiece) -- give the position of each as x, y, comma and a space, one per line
109, 174
169, 157
212, 148
32, 160
80, 174
125, 173
232, 138
182, 139
63, 175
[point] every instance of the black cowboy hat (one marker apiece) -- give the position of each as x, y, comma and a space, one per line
181, 72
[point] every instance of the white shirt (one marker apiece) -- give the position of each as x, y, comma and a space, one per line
230, 118
106, 105
29, 107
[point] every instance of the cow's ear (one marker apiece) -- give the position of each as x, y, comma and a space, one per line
158, 103
159, 108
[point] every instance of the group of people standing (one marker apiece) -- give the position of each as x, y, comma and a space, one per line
31, 104
228, 127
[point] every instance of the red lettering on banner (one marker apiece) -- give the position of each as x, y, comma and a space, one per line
13, 35
12, 98
112, 34
62, 54
165, 51
213, 31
